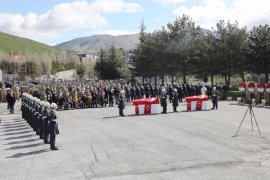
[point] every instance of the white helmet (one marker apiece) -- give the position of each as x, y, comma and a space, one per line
47, 104
38, 100
122, 91
42, 103
53, 106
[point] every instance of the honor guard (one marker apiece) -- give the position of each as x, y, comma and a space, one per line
41, 135
121, 103
36, 115
33, 110
175, 100
23, 105
45, 119
164, 101
53, 126
29, 109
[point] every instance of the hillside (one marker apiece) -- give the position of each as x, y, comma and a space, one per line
96, 42
10, 43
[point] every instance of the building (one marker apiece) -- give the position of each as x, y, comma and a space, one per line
87, 57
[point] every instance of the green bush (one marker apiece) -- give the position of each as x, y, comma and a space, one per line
235, 93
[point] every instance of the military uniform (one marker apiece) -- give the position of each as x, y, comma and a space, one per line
164, 102
45, 119
121, 105
175, 101
53, 127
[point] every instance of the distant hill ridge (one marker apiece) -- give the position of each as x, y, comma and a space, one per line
15, 44
104, 41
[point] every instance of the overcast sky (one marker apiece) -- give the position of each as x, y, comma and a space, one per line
56, 21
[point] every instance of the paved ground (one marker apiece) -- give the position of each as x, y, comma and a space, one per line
97, 144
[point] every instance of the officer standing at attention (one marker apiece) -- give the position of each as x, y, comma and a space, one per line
175, 100
214, 98
121, 104
45, 119
53, 126
42, 103
164, 101
23, 105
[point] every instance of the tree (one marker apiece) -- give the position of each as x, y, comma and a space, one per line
260, 47
231, 51
80, 71
241, 52
203, 62
90, 69
183, 35
111, 65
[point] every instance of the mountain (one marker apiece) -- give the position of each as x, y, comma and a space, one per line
96, 42
15, 44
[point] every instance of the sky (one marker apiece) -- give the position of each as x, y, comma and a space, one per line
56, 21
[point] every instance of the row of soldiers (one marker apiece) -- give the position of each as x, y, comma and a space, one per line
68, 96
41, 116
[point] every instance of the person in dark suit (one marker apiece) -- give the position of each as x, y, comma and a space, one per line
121, 103
163, 101
214, 98
175, 100
11, 99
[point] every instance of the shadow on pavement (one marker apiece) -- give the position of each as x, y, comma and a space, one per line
19, 137
110, 117
11, 124
19, 129
16, 126
15, 133
25, 146
24, 141
18, 155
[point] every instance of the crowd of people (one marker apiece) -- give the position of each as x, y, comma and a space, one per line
84, 94
92, 94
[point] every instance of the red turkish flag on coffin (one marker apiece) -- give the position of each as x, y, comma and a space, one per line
199, 105
144, 106
136, 109
188, 105
147, 109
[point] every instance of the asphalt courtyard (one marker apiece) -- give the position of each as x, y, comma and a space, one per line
97, 144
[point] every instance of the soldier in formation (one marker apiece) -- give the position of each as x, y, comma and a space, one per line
41, 116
